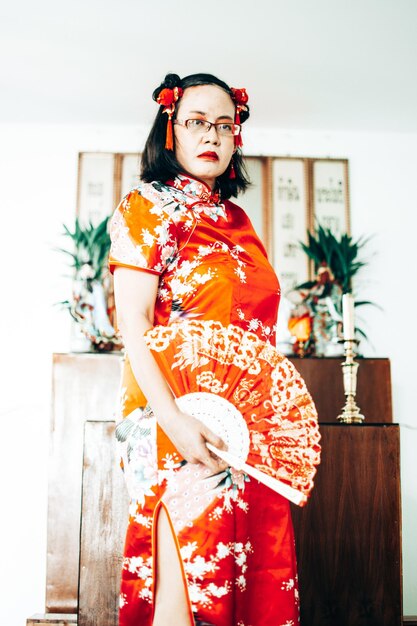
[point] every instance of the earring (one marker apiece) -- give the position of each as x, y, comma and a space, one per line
232, 173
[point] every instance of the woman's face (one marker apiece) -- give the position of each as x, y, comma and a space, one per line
204, 155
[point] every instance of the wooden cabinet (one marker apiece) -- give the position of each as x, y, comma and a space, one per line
348, 536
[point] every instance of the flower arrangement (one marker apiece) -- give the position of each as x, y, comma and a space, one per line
91, 286
336, 262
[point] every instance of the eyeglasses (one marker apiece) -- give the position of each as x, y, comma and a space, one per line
198, 127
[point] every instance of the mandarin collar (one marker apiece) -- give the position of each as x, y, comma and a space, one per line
199, 191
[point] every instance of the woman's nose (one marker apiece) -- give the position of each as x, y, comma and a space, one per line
212, 136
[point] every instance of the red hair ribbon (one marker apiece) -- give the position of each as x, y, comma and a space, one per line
168, 98
240, 98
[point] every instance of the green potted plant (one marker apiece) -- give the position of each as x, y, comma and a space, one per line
335, 264
91, 285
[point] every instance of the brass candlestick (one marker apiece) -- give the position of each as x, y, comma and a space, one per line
351, 412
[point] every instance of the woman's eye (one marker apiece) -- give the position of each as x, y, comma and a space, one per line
225, 128
195, 123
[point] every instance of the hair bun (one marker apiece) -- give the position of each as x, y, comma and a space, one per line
244, 115
170, 81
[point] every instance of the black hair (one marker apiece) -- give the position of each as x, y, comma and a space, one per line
160, 164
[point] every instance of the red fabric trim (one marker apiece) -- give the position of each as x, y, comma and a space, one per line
114, 264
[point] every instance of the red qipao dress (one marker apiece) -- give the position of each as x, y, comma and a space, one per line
234, 536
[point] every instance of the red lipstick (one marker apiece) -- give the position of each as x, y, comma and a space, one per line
209, 156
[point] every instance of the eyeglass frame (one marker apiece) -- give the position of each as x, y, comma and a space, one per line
210, 124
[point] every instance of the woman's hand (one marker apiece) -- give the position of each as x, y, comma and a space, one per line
189, 435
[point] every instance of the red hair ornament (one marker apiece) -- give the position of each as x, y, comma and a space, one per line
168, 99
240, 98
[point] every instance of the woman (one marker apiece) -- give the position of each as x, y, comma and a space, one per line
233, 563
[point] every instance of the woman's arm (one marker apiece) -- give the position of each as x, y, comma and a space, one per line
135, 295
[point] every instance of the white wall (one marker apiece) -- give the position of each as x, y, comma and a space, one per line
38, 166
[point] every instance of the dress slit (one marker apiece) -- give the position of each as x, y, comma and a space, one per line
157, 511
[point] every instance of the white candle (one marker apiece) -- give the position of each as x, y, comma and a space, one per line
348, 317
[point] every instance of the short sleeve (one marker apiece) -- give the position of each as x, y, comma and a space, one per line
142, 235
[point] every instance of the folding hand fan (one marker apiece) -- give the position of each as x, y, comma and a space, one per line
249, 394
